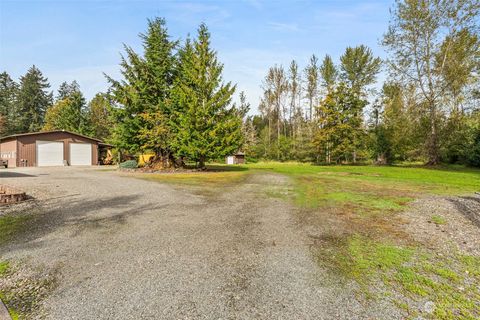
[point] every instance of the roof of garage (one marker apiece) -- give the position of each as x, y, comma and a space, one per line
45, 132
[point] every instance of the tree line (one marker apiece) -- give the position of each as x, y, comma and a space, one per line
173, 101
427, 110
29, 106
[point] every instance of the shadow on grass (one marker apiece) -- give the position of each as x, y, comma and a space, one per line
225, 168
439, 167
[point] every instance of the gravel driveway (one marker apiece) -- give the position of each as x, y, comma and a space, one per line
127, 248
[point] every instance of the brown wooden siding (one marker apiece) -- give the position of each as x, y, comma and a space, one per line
10, 147
27, 146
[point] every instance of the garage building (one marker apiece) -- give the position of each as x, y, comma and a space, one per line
50, 148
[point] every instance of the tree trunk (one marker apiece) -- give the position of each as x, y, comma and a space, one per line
201, 163
432, 147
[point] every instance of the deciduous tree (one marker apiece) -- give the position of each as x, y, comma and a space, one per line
421, 38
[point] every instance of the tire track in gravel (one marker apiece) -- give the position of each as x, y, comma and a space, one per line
232, 254
269, 269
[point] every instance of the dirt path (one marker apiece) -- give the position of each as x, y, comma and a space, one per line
133, 249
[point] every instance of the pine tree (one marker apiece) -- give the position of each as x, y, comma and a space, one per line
143, 96
8, 106
340, 133
206, 126
66, 90
33, 100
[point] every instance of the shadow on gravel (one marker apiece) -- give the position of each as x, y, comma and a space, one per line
15, 175
81, 214
469, 207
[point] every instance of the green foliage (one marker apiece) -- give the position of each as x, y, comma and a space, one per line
359, 67
329, 73
129, 164
174, 102
69, 114
33, 100
145, 89
11, 225
340, 136
8, 107
432, 52
100, 117
311, 88
409, 274
4, 266
67, 90
472, 148
205, 126
438, 219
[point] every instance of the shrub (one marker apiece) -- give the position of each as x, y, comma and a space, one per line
129, 164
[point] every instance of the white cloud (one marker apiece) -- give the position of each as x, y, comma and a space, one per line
284, 26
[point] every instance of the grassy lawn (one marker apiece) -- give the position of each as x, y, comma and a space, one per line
214, 176
370, 249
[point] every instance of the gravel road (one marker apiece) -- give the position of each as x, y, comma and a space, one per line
128, 248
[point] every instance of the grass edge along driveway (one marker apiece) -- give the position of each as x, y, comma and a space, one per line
418, 280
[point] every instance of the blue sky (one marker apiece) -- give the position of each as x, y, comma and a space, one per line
79, 40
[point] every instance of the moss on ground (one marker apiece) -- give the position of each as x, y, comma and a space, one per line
10, 225
438, 219
411, 275
22, 288
5, 269
4, 265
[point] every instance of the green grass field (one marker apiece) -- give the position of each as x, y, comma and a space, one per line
371, 250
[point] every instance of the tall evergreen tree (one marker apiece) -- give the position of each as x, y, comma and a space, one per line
206, 126
66, 90
143, 96
340, 133
8, 106
33, 100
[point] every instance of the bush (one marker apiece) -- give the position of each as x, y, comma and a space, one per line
129, 164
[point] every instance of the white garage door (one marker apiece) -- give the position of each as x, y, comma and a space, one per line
49, 153
80, 154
